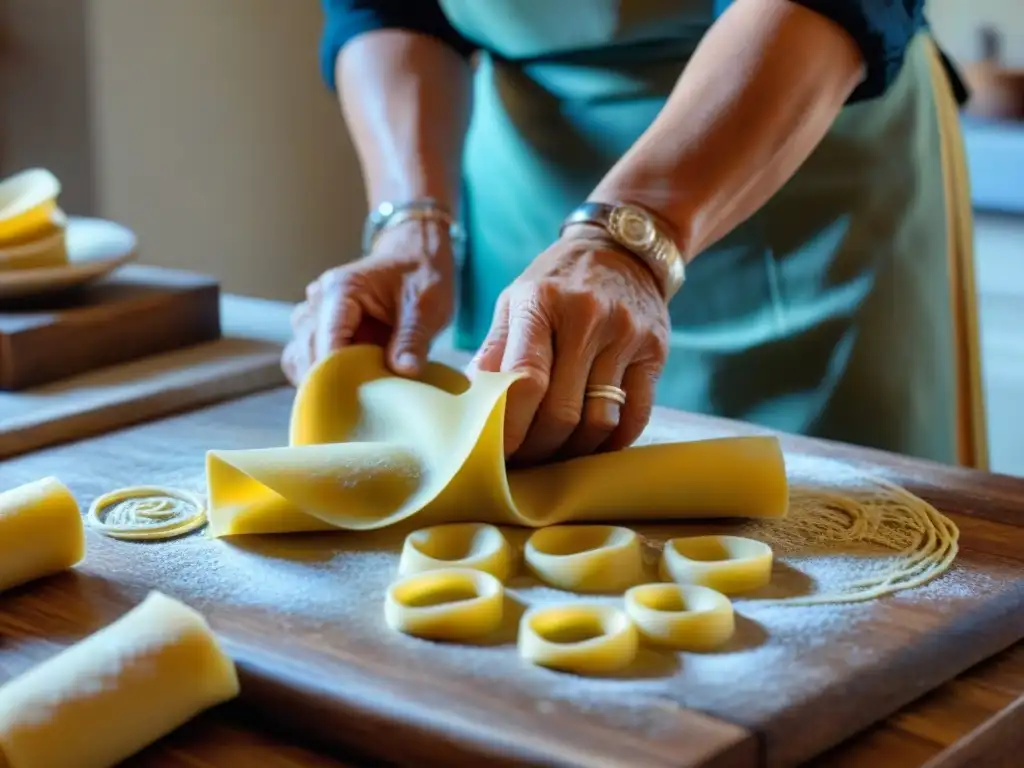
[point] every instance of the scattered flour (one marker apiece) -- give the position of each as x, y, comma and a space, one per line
313, 584
320, 586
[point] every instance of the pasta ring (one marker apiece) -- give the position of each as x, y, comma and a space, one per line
580, 638
147, 512
686, 618
727, 564
457, 545
586, 558
445, 604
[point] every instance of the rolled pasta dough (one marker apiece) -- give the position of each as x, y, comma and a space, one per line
117, 691
369, 449
147, 512
41, 532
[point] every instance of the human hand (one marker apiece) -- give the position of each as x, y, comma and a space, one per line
400, 297
583, 313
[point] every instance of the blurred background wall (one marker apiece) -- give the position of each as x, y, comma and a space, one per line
202, 125
956, 24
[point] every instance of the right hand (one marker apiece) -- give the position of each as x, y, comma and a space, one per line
400, 296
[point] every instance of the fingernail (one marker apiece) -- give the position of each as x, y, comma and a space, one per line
408, 361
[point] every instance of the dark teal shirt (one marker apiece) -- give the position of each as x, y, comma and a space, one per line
881, 28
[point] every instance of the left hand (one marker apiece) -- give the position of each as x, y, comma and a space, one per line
583, 313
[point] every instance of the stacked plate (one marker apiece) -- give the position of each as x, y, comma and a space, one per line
43, 250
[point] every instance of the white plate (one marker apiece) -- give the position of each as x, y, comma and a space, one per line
95, 247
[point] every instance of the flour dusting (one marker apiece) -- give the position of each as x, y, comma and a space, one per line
317, 586
312, 584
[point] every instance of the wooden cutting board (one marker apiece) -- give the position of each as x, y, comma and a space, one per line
145, 389
302, 615
137, 312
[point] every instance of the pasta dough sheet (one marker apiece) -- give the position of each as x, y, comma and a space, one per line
117, 691
32, 227
41, 532
369, 449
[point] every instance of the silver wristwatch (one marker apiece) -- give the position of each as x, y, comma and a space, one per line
389, 214
639, 232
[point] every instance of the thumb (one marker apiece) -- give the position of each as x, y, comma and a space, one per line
410, 342
492, 351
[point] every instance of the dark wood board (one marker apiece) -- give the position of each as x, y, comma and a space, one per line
218, 741
136, 312
145, 389
301, 616
959, 713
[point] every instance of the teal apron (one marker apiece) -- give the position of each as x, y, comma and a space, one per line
826, 314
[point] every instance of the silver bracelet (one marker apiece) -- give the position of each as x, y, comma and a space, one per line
388, 215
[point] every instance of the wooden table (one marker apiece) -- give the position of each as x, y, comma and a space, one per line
225, 740
980, 708
941, 730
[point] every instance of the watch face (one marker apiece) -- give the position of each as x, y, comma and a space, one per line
634, 227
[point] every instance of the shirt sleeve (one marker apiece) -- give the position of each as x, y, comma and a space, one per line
345, 19
882, 30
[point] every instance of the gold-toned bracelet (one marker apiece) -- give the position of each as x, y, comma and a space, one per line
642, 234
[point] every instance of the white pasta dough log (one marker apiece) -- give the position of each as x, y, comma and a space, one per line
117, 691
41, 532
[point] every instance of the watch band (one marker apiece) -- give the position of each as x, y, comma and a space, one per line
639, 232
389, 214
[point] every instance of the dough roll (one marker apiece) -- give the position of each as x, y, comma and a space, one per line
369, 450
117, 691
41, 532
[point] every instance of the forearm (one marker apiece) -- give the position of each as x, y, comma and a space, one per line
406, 99
759, 94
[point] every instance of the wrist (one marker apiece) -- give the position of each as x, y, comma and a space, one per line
640, 233
431, 220
422, 240
411, 189
657, 193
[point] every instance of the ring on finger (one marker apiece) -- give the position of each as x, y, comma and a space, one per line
602, 406
605, 392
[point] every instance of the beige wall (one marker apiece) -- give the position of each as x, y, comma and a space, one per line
206, 129
956, 24
44, 110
